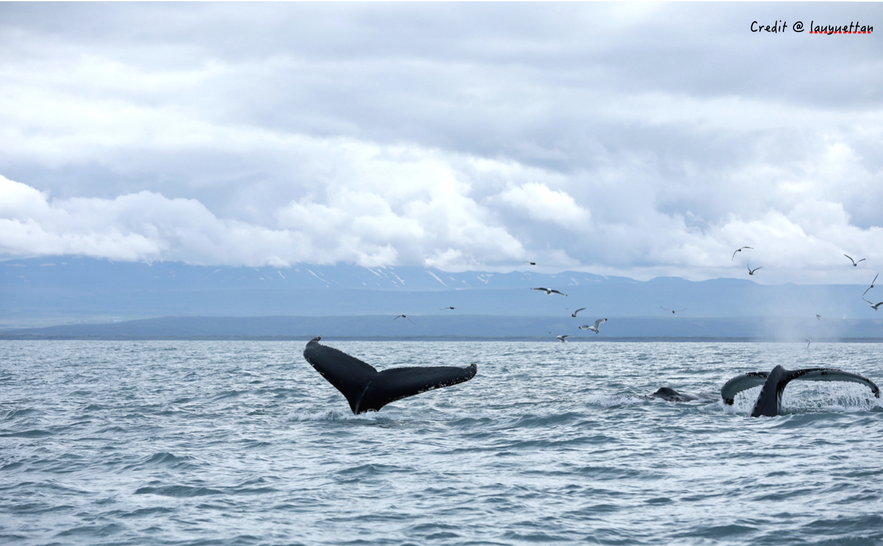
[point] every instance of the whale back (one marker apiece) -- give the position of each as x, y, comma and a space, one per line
671, 395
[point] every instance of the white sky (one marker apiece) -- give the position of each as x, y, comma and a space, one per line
628, 139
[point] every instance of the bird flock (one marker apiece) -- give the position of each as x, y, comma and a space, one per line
596, 326
549, 292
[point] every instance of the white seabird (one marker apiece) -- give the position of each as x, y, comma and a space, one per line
549, 291
595, 327
740, 250
854, 263
872, 284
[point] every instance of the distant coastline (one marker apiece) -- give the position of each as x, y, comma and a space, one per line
461, 328
81, 298
536, 339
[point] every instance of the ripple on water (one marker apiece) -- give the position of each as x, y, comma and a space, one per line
36, 433
179, 491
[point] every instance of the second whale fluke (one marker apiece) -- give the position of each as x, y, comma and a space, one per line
769, 401
366, 389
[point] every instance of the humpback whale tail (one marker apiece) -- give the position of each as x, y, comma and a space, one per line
366, 389
769, 402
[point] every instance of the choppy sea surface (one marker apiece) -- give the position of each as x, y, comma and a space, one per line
239, 442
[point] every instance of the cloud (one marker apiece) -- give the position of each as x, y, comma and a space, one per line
547, 205
415, 209
634, 140
30, 226
138, 226
371, 229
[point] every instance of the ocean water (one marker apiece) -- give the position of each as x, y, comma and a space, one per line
238, 442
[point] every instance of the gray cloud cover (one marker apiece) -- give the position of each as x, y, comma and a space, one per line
632, 139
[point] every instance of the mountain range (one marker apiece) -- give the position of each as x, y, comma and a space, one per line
354, 301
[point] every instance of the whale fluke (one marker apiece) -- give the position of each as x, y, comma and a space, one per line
769, 402
366, 389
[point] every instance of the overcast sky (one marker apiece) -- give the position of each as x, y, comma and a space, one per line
621, 139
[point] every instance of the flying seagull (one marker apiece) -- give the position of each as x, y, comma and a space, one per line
818, 316
740, 250
872, 284
673, 310
751, 271
549, 291
562, 339
595, 327
854, 263
531, 263
443, 308
575, 312
405, 316
808, 341
875, 306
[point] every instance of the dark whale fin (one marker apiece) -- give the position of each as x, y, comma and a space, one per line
770, 399
366, 389
670, 395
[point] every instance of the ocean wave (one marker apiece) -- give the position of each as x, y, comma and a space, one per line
123, 451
